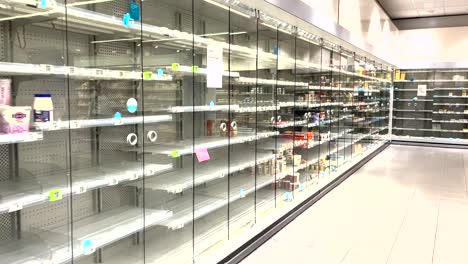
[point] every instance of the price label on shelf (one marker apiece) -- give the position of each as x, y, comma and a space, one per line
242, 193
175, 66
34, 136
288, 196
112, 181
75, 124
175, 153
47, 68
87, 247
54, 125
55, 195
177, 226
79, 189
133, 176
15, 207
301, 186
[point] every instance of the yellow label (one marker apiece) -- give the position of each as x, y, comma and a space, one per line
55, 195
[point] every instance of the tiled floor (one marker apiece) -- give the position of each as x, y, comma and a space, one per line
409, 205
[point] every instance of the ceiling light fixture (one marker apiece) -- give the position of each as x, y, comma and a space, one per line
29, 15
88, 2
113, 40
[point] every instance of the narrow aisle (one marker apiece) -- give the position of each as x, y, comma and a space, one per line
409, 205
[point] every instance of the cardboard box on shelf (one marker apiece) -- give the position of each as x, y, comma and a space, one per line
403, 76
320, 166
397, 75
280, 165
297, 160
292, 178
358, 148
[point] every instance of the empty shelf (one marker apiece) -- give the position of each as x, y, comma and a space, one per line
185, 147
21, 137
29, 191
182, 179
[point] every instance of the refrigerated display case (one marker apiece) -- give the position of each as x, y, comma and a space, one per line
155, 131
429, 106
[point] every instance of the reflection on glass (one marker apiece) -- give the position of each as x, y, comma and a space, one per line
159, 130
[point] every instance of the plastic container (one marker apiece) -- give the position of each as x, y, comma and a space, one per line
43, 108
5, 91
14, 119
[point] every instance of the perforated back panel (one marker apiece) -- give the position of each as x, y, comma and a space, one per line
115, 8
4, 163
54, 214
5, 227
3, 42
117, 196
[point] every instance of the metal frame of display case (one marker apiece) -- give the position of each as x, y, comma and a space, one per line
78, 188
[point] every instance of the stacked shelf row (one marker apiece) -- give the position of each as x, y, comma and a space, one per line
429, 105
176, 126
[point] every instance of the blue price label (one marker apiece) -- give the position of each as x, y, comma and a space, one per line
288, 196
160, 73
242, 193
117, 118
87, 247
127, 20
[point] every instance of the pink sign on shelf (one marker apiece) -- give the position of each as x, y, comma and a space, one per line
202, 154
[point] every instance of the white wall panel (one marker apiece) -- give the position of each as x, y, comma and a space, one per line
433, 45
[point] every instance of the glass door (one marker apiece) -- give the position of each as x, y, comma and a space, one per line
34, 136
107, 131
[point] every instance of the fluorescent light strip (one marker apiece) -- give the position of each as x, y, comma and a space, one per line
29, 15
88, 2
55, 10
113, 40
227, 8
168, 39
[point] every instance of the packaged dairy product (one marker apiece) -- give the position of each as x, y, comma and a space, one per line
5, 91
14, 119
43, 108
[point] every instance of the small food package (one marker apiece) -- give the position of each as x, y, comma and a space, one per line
294, 178
5, 91
280, 165
14, 119
297, 160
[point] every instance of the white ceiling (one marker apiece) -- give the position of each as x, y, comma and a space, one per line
424, 8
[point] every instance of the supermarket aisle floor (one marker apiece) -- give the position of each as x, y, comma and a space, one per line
409, 205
